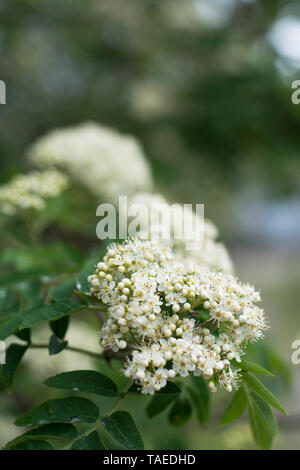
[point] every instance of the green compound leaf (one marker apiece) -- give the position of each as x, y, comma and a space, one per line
62, 410
236, 407
88, 381
48, 431
159, 403
122, 428
14, 355
90, 442
262, 391
252, 367
262, 421
181, 412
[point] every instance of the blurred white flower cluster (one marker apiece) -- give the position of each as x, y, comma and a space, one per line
104, 161
210, 252
173, 319
30, 191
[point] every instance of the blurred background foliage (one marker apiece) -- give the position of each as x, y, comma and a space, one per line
206, 87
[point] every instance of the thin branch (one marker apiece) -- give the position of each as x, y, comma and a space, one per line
70, 348
106, 355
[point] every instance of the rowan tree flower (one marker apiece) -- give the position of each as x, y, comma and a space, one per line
207, 250
31, 190
172, 319
106, 162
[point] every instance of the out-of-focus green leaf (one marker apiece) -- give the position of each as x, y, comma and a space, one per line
30, 292
279, 366
181, 411
62, 410
88, 381
34, 260
122, 428
7, 299
17, 277
201, 398
159, 403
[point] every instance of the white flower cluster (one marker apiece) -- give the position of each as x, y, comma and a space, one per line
173, 320
30, 191
105, 162
207, 250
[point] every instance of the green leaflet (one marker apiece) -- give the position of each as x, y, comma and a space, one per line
122, 428
38, 315
159, 403
262, 421
56, 345
200, 396
63, 290
252, 367
88, 268
62, 410
90, 442
88, 381
262, 391
48, 431
60, 326
236, 407
33, 445
14, 356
